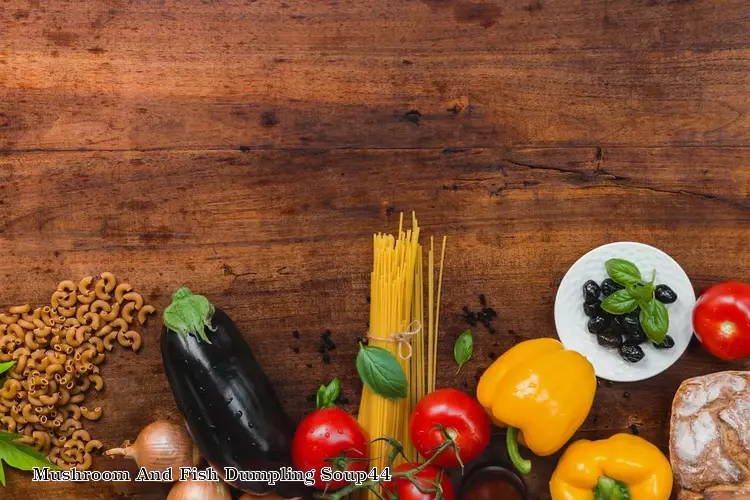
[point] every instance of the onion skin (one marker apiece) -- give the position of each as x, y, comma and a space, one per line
161, 445
199, 490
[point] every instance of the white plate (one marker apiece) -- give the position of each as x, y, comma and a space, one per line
570, 319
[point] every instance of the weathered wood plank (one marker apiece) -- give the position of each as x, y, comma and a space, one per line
281, 240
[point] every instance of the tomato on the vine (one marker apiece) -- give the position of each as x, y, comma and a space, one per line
427, 478
329, 438
721, 320
458, 414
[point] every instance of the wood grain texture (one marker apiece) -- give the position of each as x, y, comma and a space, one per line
250, 149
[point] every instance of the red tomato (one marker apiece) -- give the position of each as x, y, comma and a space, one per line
463, 418
407, 490
327, 434
721, 320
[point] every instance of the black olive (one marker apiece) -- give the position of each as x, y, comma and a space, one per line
631, 353
592, 310
667, 343
609, 339
664, 294
609, 286
598, 324
634, 338
632, 324
619, 318
591, 292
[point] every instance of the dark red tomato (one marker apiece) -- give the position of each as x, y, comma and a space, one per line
325, 435
721, 320
427, 478
463, 418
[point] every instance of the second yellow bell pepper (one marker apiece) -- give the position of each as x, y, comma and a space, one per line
540, 389
621, 467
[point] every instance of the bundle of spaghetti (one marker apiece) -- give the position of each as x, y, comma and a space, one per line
391, 313
397, 315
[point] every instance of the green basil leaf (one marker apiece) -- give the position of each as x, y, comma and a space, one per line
463, 349
641, 293
381, 372
20, 456
4, 367
327, 394
619, 302
623, 271
654, 320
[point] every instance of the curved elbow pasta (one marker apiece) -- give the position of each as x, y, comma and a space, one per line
72, 322
127, 312
78, 398
72, 423
122, 339
70, 337
10, 389
55, 368
82, 309
57, 297
100, 305
85, 464
97, 343
27, 414
104, 331
86, 298
98, 382
42, 332
121, 290
75, 443
21, 363
135, 340
67, 286
29, 340
100, 292
109, 338
46, 318
16, 330
144, 312
94, 414
82, 334
134, 297
92, 319
94, 444
84, 385
109, 280
50, 400
66, 312
35, 315
8, 319
70, 300
119, 323
23, 309
82, 434
9, 423
112, 314
83, 285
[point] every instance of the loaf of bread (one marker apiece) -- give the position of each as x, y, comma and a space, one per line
709, 438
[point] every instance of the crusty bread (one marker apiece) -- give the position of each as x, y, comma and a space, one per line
709, 437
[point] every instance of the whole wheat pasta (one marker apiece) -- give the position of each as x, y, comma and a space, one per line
87, 298
69, 300
119, 323
28, 325
82, 434
78, 398
98, 382
8, 319
15, 329
97, 343
127, 312
120, 292
94, 445
135, 297
110, 338
134, 338
34, 315
144, 312
92, 319
83, 285
47, 316
72, 321
99, 306
9, 423
94, 414
113, 313
66, 312
29, 340
67, 286
80, 311
22, 309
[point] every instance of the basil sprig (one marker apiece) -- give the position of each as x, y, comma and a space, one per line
463, 349
381, 372
653, 317
327, 395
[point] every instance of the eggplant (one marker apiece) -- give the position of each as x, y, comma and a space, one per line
229, 406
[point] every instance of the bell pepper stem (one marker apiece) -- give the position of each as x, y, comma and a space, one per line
611, 489
511, 440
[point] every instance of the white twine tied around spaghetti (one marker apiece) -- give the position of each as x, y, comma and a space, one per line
402, 338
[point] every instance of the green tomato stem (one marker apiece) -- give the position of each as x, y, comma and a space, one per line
511, 441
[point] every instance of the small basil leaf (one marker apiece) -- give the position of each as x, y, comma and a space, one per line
623, 271
327, 394
463, 349
381, 372
4, 367
654, 320
641, 293
619, 302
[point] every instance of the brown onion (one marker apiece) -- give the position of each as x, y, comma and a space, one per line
199, 490
160, 446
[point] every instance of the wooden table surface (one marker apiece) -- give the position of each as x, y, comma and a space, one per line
249, 149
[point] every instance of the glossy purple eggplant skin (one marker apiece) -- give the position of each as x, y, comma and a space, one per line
229, 405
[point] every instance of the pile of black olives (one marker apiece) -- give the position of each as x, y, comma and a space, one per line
622, 332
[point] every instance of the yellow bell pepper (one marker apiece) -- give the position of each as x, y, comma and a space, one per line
540, 389
610, 468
